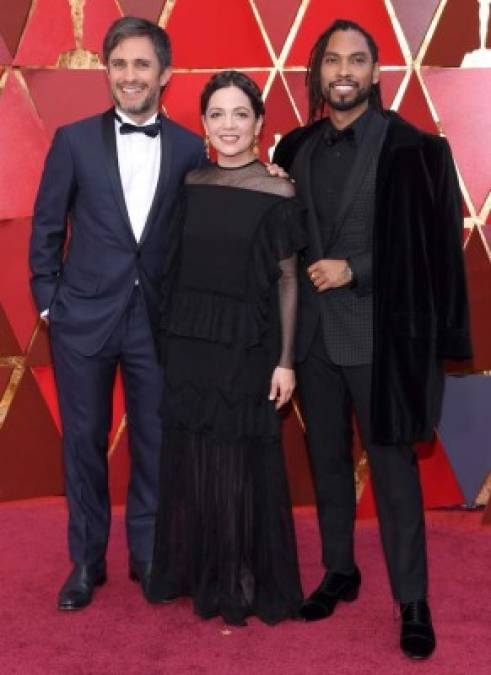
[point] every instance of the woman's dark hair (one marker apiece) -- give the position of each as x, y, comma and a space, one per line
317, 101
131, 26
232, 78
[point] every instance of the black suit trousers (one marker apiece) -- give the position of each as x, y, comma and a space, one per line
85, 386
329, 394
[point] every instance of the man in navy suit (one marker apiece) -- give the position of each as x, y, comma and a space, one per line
115, 178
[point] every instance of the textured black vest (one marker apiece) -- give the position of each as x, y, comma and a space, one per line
346, 316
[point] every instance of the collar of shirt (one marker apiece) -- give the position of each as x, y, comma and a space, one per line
358, 127
128, 120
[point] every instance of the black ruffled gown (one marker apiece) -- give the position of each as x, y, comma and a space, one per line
225, 533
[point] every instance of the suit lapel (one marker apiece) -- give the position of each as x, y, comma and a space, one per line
302, 169
165, 160
111, 153
370, 145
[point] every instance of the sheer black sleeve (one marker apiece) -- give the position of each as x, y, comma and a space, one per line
288, 237
288, 293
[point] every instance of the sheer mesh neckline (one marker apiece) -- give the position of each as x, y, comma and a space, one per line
251, 176
237, 168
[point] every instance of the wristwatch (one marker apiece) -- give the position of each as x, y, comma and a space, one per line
349, 273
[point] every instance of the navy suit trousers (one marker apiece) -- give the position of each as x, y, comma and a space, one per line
85, 386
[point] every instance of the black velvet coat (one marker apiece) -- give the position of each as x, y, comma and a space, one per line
419, 285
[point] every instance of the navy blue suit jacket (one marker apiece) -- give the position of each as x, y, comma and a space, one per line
84, 257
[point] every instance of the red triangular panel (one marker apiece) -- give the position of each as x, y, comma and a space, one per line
5, 56
150, 9
216, 35
372, 16
440, 486
277, 18
415, 109
415, 19
15, 292
60, 96
486, 519
280, 117
456, 34
366, 506
13, 15
181, 99
98, 16
468, 124
9, 345
39, 352
296, 84
24, 144
30, 446
390, 81
48, 34
486, 230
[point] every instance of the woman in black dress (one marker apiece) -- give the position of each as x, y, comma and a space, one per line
225, 533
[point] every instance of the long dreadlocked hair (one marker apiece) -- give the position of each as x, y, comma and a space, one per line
317, 102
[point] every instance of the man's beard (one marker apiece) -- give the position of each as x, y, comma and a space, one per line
149, 103
343, 104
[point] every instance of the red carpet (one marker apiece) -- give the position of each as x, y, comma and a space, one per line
119, 634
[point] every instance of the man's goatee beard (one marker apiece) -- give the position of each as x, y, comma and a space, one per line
343, 105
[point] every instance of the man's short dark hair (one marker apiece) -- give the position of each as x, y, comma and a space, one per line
132, 26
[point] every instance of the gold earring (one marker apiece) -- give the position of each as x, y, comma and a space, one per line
207, 146
255, 147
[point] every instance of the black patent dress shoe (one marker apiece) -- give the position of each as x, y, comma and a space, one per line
417, 634
334, 587
78, 589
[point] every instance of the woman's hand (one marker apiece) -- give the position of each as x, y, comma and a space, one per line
282, 386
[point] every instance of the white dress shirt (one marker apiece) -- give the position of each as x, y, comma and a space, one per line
139, 168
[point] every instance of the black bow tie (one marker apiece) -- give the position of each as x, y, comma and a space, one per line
151, 130
334, 136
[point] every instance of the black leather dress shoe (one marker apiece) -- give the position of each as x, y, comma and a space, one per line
140, 572
78, 589
334, 587
417, 634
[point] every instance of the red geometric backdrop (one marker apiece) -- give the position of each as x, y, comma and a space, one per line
51, 74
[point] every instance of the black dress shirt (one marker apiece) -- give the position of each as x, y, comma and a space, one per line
331, 165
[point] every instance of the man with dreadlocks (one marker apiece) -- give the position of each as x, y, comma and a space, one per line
382, 302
